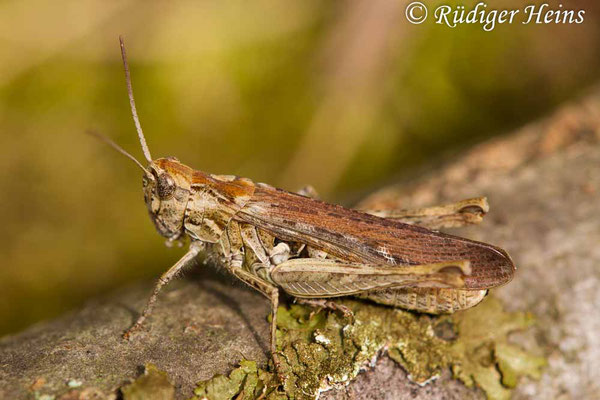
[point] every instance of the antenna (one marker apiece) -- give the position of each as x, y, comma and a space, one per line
136, 120
118, 148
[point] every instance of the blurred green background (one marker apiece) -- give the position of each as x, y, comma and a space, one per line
343, 95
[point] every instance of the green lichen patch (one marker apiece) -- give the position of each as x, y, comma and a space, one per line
482, 354
152, 385
245, 382
321, 349
44, 396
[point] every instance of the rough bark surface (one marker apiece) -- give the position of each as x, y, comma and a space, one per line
543, 184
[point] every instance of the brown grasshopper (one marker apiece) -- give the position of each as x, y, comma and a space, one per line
276, 240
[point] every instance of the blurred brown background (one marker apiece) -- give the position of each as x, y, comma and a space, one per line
343, 95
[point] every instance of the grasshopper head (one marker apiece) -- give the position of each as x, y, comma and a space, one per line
166, 193
166, 181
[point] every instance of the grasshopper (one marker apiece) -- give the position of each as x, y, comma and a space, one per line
275, 240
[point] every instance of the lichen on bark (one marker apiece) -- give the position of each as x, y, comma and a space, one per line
154, 384
324, 349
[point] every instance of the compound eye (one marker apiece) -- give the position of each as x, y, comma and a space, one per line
165, 186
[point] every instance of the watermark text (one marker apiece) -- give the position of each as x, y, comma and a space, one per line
489, 19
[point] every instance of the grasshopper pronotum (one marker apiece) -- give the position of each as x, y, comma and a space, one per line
276, 240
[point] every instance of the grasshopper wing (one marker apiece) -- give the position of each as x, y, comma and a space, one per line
366, 239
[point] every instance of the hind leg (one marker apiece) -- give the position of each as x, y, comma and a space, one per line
465, 212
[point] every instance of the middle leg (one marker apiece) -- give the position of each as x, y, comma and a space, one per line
269, 291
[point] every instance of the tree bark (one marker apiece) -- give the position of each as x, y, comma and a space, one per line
543, 184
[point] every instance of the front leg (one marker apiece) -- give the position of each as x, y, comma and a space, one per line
187, 259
